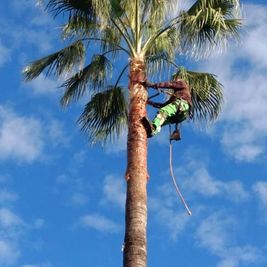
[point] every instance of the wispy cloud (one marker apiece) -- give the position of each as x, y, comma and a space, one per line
43, 86
79, 198
100, 223
5, 54
11, 226
20, 137
13, 230
55, 132
8, 219
260, 188
26, 138
7, 196
216, 234
119, 145
114, 190
9, 253
197, 179
243, 72
169, 214
45, 264
38, 223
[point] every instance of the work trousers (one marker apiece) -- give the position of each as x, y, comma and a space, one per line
174, 112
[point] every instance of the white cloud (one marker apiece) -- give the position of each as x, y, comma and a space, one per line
118, 145
38, 30
43, 85
197, 179
242, 144
9, 219
39, 223
23, 138
56, 133
9, 253
100, 223
12, 231
79, 199
243, 127
23, 5
5, 54
7, 196
11, 227
256, 34
20, 137
114, 190
216, 234
46, 264
260, 188
172, 216
213, 233
234, 190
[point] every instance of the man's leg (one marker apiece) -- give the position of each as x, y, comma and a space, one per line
158, 121
162, 117
171, 113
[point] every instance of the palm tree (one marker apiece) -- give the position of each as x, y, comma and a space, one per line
148, 35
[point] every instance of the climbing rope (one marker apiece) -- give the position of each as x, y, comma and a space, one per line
175, 183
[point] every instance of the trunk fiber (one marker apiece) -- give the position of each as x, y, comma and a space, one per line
135, 248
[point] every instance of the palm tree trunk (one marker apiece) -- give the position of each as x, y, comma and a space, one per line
135, 252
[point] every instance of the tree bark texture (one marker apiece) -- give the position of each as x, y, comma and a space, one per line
135, 248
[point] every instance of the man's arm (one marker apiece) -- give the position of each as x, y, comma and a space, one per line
168, 85
157, 104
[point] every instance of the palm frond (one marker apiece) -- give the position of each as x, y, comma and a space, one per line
94, 75
117, 8
79, 25
62, 61
156, 12
206, 91
94, 10
111, 38
158, 63
165, 43
209, 24
105, 116
72, 7
162, 51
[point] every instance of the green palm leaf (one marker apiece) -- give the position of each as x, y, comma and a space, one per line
206, 93
79, 25
93, 75
73, 7
151, 30
158, 63
111, 38
165, 43
155, 12
93, 10
208, 24
62, 61
105, 116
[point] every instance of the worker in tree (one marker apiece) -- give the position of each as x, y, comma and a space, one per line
175, 110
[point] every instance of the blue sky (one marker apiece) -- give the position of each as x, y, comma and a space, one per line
62, 201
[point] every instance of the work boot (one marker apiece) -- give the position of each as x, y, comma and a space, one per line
148, 126
175, 135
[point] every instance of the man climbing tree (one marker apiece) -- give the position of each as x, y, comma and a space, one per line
136, 38
175, 110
